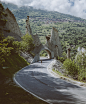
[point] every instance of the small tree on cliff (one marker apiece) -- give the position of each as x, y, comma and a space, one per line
27, 43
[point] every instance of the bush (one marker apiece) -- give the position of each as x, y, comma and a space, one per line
9, 40
64, 54
70, 67
27, 43
16, 46
4, 51
62, 59
11, 43
82, 75
81, 60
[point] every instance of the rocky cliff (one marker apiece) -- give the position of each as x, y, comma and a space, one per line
53, 42
11, 28
12, 23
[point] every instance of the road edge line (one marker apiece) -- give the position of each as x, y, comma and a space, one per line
29, 91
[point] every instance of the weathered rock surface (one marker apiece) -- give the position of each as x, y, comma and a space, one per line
12, 23
27, 57
53, 43
11, 28
52, 46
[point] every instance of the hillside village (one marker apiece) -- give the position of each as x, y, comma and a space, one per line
49, 21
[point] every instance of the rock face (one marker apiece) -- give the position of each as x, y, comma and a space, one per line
11, 23
28, 29
68, 53
36, 39
53, 43
52, 46
81, 51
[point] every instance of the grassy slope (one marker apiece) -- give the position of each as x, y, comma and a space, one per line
10, 93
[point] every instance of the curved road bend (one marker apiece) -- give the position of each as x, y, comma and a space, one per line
37, 80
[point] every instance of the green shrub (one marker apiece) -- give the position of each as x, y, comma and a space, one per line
62, 59
16, 46
27, 43
64, 54
70, 67
9, 40
81, 60
82, 75
4, 51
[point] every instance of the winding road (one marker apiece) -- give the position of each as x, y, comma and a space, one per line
36, 79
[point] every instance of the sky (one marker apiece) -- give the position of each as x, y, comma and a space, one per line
73, 7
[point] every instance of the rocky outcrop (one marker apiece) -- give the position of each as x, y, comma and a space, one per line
11, 27
36, 40
53, 43
68, 53
52, 46
16, 37
11, 23
35, 37
27, 57
28, 28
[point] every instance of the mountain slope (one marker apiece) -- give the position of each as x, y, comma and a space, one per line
39, 13
72, 30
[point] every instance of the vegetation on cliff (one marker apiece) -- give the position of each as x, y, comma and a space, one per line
10, 93
27, 43
7, 44
4, 50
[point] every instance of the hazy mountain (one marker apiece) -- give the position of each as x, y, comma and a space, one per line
9, 5
72, 30
27, 10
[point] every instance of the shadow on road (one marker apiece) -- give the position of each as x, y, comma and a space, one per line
36, 79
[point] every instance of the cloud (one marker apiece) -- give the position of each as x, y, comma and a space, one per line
72, 7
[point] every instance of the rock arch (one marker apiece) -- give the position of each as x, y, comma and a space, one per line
48, 51
52, 46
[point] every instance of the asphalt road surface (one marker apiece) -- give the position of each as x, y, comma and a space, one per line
39, 82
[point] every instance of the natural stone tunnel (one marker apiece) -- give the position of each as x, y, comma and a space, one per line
48, 53
52, 46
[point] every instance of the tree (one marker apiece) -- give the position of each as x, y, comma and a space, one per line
4, 51
70, 67
81, 62
81, 59
27, 43
11, 43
